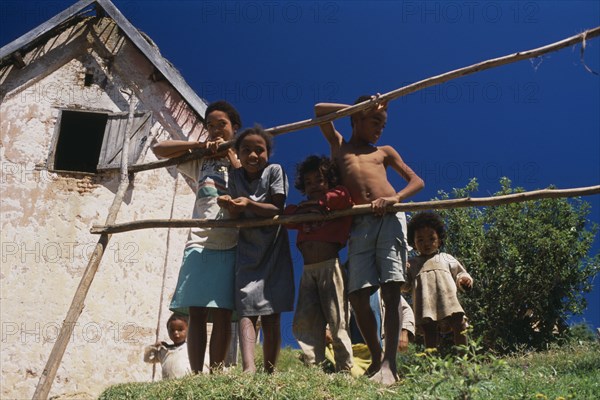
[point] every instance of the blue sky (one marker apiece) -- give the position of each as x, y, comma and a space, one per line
536, 122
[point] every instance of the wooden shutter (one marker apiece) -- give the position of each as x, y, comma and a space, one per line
110, 154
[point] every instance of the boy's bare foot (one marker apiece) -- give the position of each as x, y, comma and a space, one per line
385, 376
373, 369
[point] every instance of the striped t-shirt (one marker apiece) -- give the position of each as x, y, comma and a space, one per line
211, 176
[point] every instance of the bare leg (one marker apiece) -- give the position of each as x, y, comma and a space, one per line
257, 328
368, 326
272, 341
220, 338
248, 342
431, 336
390, 294
458, 328
196, 339
403, 342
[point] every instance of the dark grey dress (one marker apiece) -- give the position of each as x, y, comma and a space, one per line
264, 278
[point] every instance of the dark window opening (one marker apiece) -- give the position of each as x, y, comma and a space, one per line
89, 79
79, 141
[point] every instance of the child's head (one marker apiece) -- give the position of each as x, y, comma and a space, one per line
222, 120
254, 147
360, 99
177, 326
368, 124
426, 233
358, 115
315, 175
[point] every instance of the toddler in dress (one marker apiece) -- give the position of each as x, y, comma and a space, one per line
434, 278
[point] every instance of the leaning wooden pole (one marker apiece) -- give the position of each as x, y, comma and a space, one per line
438, 79
356, 210
58, 350
394, 94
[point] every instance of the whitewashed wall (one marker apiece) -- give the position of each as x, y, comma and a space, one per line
46, 217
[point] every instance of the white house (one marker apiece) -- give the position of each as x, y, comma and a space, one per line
64, 101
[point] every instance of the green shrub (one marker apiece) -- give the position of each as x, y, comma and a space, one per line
530, 264
579, 333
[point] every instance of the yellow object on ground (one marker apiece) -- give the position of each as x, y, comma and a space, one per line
361, 358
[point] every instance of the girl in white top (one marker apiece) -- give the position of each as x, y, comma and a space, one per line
205, 287
173, 358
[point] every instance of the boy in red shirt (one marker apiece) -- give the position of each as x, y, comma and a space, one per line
321, 299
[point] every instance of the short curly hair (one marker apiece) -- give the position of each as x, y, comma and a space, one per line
178, 317
426, 219
256, 130
316, 163
359, 99
227, 108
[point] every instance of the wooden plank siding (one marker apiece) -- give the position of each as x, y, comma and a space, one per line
43, 29
149, 51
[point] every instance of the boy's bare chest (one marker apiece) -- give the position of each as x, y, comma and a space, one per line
371, 158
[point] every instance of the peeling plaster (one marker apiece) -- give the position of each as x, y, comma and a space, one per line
46, 217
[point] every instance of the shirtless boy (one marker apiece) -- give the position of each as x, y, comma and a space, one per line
377, 250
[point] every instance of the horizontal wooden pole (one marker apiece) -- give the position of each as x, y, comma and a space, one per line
394, 94
356, 210
439, 79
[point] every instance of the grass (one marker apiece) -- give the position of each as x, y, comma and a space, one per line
568, 372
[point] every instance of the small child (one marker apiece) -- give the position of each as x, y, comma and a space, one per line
321, 299
264, 278
173, 358
205, 283
377, 249
434, 278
